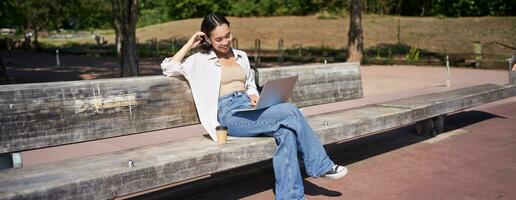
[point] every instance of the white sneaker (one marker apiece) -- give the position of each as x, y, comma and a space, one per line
336, 172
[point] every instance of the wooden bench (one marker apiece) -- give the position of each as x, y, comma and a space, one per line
92, 110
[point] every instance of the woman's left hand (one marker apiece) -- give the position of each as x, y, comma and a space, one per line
254, 99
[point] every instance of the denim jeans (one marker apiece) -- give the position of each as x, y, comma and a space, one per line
293, 136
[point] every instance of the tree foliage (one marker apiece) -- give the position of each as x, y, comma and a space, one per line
458, 8
181, 9
33, 14
85, 14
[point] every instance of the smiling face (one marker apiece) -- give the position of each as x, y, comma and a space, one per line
221, 38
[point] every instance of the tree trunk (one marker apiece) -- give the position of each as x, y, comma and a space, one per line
3, 71
355, 38
125, 17
36, 43
117, 20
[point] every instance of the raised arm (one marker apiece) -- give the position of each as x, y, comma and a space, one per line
174, 66
192, 43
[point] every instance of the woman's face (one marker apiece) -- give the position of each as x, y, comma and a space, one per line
221, 38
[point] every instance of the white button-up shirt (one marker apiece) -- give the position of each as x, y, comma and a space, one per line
202, 70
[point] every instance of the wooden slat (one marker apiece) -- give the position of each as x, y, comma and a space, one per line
108, 175
48, 114
431, 105
319, 84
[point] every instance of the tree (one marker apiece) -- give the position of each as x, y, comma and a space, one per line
88, 15
355, 37
45, 15
125, 17
33, 15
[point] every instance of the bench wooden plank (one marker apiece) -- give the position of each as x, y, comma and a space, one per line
48, 114
319, 84
107, 175
358, 122
431, 105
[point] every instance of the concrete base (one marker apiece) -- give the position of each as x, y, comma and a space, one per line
10, 160
512, 72
432, 126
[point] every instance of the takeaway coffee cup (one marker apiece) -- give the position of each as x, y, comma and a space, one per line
222, 134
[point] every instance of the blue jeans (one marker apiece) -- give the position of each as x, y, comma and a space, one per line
293, 136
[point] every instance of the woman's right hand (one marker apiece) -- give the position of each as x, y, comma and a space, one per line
192, 43
196, 39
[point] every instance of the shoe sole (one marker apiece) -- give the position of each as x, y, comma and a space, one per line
338, 175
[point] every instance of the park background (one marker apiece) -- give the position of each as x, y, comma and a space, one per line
472, 33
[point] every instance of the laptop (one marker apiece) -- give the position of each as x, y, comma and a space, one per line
274, 92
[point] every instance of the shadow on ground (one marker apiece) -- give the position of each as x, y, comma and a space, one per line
252, 179
38, 67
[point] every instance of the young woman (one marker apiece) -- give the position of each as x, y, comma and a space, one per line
221, 80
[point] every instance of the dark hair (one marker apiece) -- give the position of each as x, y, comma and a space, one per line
209, 23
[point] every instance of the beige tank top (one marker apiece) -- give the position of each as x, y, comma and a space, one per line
232, 79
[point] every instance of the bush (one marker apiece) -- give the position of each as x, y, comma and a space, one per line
413, 55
